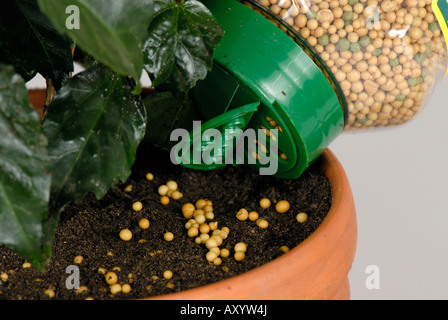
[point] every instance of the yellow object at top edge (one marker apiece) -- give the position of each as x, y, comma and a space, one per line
442, 17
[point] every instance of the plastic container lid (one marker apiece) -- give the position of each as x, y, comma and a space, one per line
259, 65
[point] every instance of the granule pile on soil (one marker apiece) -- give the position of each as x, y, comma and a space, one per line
91, 229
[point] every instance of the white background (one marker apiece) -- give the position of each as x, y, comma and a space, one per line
399, 179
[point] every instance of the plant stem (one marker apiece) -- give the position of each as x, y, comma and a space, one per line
50, 93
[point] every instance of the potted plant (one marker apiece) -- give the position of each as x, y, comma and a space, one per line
85, 139
124, 38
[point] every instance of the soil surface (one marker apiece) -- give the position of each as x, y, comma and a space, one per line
91, 229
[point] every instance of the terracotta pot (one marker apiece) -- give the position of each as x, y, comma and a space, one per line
316, 269
37, 100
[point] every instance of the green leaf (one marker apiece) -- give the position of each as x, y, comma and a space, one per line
24, 170
30, 42
167, 111
94, 126
181, 42
112, 31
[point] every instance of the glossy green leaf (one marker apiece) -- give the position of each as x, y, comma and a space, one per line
167, 111
24, 170
181, 42
29, 41
112, 31
94, 126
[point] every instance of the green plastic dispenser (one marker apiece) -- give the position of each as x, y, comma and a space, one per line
262, 82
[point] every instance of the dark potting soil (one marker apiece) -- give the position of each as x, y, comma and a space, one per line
91, 229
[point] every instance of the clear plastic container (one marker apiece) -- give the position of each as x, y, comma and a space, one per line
304, 71
385, 55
